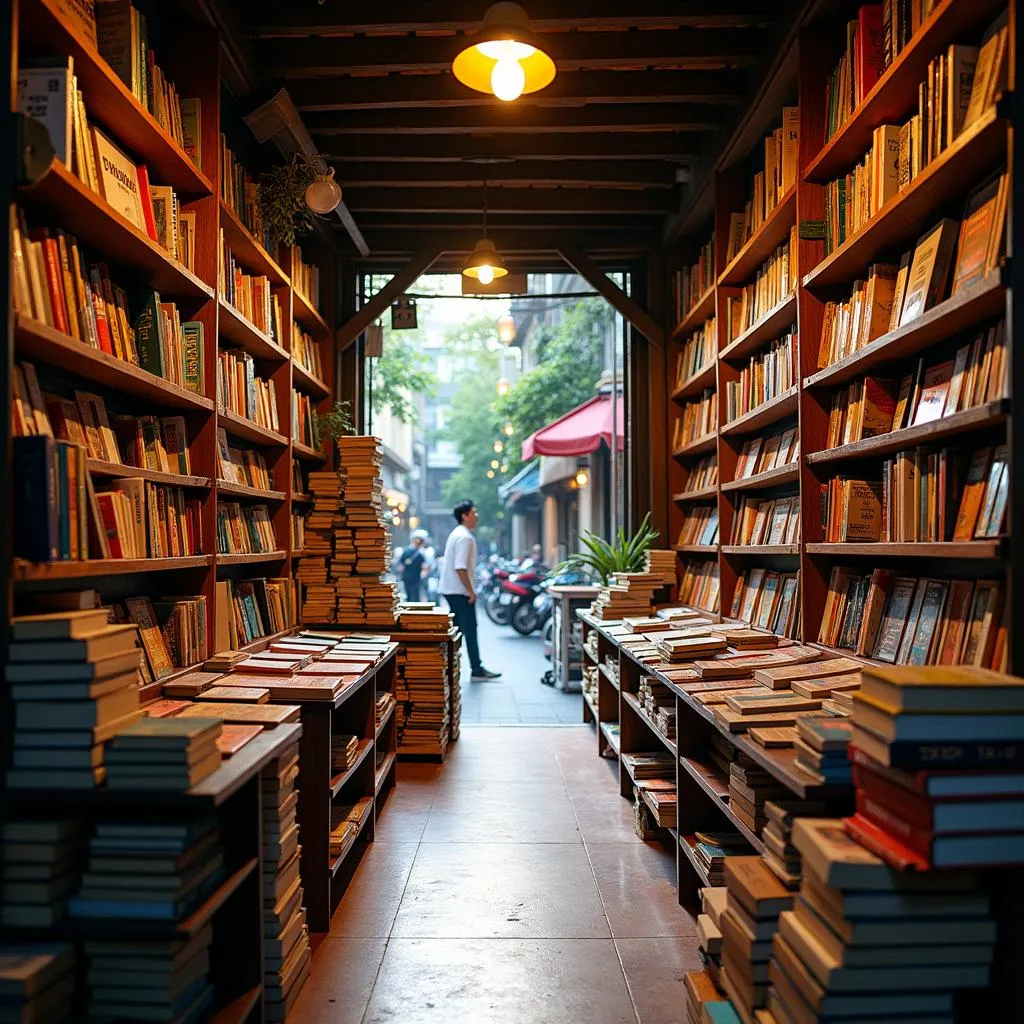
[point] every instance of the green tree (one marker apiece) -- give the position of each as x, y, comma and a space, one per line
400, 374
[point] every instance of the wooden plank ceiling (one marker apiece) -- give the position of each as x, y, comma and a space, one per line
645, 91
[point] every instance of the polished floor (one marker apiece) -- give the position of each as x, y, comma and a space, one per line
506, 886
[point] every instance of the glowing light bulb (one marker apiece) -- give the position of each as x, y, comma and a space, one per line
503, 386
508, 79
499, 447
485, 275
323, 194
490, 474
509, 430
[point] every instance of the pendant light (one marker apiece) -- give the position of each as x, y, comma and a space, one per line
484, 263
505, 57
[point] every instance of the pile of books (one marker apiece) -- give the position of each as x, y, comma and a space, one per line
654, 765
821, 748
755, 900
132, 980
659, 702
286, 951
74, 682
675, 648
41, 860
701, 992
319, 602
661, 562
714, 848
866, 942
344, 750
779, 852
455, 689
713, 901
750, 788
346, 821
423, 687
424, 620
938, 759
658, 796
37, 981
163, 754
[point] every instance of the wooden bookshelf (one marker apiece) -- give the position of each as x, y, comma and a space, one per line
755, 550
766, 329
987, 549
304, 452
695, 383
696, 549
247, 249
239, 426
89, 569
762, 243
253, 558
235, 329
307, 382
699, 446
701, 494
252, 493
777, 477
772, 411
114, 469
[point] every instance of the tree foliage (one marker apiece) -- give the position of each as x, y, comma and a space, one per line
399, 375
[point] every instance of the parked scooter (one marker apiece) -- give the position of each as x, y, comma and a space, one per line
489, 591
527, 619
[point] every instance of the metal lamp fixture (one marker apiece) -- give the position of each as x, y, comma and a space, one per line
323, 194
484, 263
506, 329
505, 57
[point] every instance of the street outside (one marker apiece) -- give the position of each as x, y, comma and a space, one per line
518, 697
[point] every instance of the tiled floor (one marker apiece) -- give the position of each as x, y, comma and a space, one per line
506, 886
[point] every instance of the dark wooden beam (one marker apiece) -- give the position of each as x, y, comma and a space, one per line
610, 117
601, 282
442, 89
375, 307
510, 241
599, 174
270, 18
497, 224
687, 49
539, 146
512, 200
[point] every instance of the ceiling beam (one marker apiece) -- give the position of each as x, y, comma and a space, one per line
512, 200
498, 224
442, 89
696, 48
539, 146
599, 174
511, 244
362, 318
270, 18
648, 117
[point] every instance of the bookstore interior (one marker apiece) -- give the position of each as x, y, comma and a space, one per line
805, 692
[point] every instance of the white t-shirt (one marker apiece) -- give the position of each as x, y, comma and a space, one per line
459, 553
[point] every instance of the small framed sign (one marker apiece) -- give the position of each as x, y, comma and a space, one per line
403, 314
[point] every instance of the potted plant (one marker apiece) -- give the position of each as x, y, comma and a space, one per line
282, 201
602, 558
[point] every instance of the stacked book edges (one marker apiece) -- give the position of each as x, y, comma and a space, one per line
38, 981
713, 849
627, 594
423, 688
346, 822
661, 562
938, 762
164, 754
286, 949
74, 682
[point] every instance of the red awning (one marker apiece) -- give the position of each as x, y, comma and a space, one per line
578, 432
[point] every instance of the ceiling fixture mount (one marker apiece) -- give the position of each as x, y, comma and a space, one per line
484, 263
505, 57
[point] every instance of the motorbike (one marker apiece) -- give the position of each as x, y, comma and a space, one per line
490, 593
534, 608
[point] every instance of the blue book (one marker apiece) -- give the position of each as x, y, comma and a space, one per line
721, 1012
34, 498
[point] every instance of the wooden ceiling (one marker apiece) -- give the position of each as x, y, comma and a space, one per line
646, 91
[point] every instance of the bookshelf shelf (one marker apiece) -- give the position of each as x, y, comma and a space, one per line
105, 567
303, 451
113, 469
769, 327
699, 312
696, 383
110, 102
610, 738
247, 249
688, 844
760, 549
985, 301
699, 446
634, 704
603, 669
93, 220
239, 1009
352, 840
304, 379
702, 494
769, 412
718, 789
239, 426
245, 491
251, 559
902, 220
235, 328
384, 722
777, 477
986, 549
591, 705
302, 497
380, 773
308, 315
696, 549
983, 417
37, 340
216, 900
339, 780
263, 642
894, 95
768, 237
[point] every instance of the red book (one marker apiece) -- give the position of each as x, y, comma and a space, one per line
100, 308
106, 503
869, 49
884, 845
54, 278
914, 835
147, 200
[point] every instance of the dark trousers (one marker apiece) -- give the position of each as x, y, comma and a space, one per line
412, 589
465, 619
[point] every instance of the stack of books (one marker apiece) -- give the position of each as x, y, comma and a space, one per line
132, 980
821, 749
346, 820
714, 848
689, 648
750, 788
700, 993
658, 796
319, 602
286, 951
344, 750
149, 870
41, 862
865, 942
627, 593
423, 684
938, 762
74, 682
713, 901
755, 900
722, 753
654, 765
661, 562
779, 852
659, 702
424, 620
455, 689
163, 754
37, 981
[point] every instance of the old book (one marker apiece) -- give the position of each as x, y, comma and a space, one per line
781, 677
929, 270
119, 180
822, 688
890, 633
239, 694
773, 738
931, 402
874, 608
899, 292
267, 715
910, 628
993, 509
979, 224
973, 495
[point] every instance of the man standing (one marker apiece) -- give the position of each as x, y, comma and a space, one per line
457, 582
412, 564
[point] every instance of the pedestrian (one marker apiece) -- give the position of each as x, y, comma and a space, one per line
413, 564
457, 582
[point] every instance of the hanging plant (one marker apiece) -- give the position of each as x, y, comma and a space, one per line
282, 200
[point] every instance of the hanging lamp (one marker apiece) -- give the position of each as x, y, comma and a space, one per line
505, 57
484, 263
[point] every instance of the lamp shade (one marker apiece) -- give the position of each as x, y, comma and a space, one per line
484, 263
323, 194
504, 58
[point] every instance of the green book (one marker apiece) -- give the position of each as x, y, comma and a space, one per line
192, 356
149, 335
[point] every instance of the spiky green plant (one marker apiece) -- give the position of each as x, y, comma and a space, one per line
602, 558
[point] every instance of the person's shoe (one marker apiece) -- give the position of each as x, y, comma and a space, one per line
483, 673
